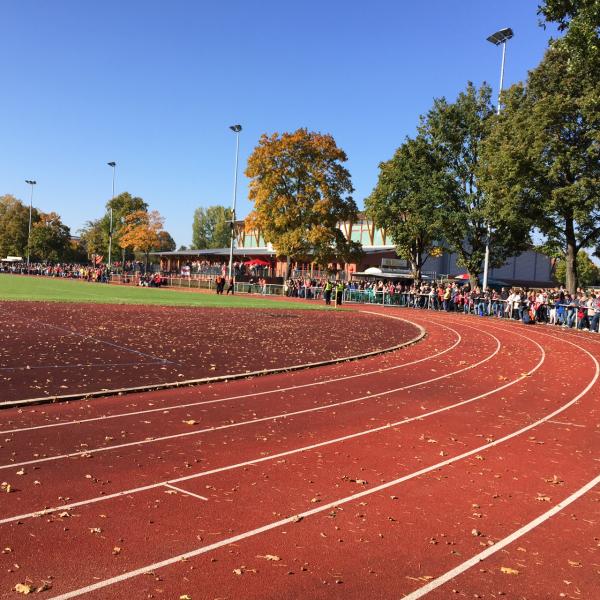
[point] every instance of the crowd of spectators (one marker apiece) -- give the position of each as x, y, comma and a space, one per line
65, 270
555, 306
299, 287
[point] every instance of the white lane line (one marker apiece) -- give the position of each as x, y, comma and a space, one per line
475, 560
262, 459
89, 337
252, 394
186, 492
384, 486
567, 424
174, 436
82, 365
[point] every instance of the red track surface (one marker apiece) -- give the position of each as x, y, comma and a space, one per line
49, 348
380, 478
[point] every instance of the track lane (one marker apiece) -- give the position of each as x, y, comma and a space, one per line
174, 462
228, 576
463, 419
65, 414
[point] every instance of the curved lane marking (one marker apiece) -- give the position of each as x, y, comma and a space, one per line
515, 535
280, 454
276, 524
251, 421
250, 395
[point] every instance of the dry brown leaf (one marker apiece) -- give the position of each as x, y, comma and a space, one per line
24, 588
191, 422
509, 571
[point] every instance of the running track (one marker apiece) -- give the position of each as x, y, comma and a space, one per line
464, 466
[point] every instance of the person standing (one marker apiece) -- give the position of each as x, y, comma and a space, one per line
230, 287
327, 292
339, 293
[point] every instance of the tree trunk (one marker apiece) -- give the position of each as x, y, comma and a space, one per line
473, 280
571, 256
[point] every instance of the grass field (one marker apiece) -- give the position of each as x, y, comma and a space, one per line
15, 287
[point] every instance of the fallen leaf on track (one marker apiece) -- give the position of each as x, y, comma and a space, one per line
509, 571
24, 588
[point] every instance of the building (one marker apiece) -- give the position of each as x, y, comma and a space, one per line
528, 268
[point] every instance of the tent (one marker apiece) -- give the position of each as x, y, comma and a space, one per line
256, 262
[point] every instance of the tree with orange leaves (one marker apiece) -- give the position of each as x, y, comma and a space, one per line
142, 232
301, 194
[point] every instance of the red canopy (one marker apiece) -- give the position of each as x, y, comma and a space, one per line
256, 262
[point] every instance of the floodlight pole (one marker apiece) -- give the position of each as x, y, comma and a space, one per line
236, 129
113, 165
505, 35
31, 182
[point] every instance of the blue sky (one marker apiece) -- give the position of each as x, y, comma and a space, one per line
154, 85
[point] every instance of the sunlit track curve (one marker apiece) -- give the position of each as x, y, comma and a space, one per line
277, 390
91, 451
330, 505
283, 454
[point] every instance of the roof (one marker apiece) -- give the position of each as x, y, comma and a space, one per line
242, 252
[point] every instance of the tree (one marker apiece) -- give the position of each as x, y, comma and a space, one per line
405, 201
588, 272
94, 238
301, 194
14, 226
141, 232
211, 227
456, 132
580, 20
544, 155
165, 242
50, 239
122, 205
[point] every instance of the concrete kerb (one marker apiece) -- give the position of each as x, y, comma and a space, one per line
220, 378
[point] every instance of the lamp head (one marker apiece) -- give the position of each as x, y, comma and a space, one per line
235, 128
112, 163
501, 36
30, 181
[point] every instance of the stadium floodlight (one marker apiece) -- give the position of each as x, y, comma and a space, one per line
113, 165
30, 182
500, 37
236, 129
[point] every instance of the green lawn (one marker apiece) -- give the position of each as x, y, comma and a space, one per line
15, 287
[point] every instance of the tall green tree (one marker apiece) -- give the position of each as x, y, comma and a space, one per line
94, 238
544, 155
50, 239
211, 227
14, 226
587, 271
456, 131
406, 201
302, 193
580, 22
